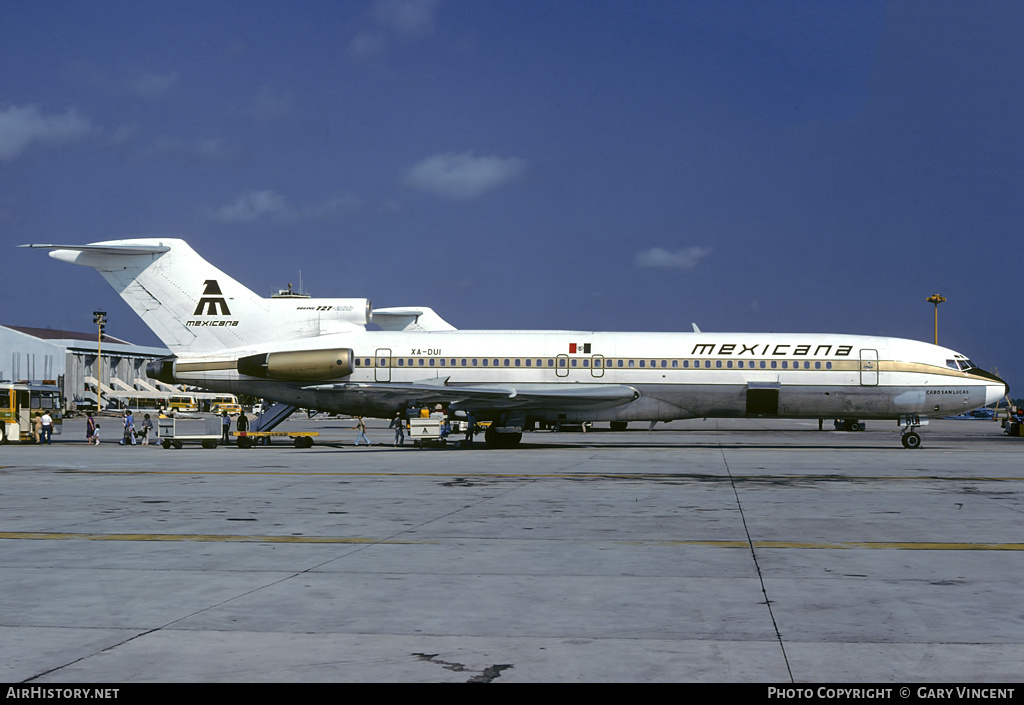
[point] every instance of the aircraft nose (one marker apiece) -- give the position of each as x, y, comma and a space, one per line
996, 390
994, 393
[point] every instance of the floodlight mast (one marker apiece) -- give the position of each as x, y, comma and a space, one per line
936, 299
100, 319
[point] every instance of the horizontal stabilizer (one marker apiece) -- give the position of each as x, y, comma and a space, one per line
410, 318
106, 249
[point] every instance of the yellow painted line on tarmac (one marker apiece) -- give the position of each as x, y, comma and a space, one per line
882, 545
573, 476
897, 545
313, 474
227, 538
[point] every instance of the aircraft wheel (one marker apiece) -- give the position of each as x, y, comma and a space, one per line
911, 440
493, 439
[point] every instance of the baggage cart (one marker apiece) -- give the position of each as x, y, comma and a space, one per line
174, 432
301, 439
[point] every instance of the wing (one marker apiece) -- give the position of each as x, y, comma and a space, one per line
486, 397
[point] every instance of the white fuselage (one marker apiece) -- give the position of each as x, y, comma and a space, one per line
677, 375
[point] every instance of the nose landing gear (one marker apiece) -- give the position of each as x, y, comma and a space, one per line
910, 438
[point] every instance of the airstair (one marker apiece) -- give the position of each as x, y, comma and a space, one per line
103, 389
124, 388
146, 386
269, 419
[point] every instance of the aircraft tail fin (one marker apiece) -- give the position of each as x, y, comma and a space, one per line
191, 305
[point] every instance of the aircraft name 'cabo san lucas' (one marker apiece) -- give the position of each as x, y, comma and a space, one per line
318, 353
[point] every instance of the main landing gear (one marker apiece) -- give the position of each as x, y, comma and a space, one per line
506, 431
502, 439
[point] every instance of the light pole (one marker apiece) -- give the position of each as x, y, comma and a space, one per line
100, 319
936, 299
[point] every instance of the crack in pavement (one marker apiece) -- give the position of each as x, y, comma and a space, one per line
486, 676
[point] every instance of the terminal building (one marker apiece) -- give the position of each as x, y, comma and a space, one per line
83, 367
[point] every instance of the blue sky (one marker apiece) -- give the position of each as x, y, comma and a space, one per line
785, 166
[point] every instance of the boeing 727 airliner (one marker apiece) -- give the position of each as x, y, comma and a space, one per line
318, 354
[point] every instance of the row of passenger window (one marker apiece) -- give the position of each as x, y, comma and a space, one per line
606, 363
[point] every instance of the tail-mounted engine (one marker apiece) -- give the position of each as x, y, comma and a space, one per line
162, 369
302, 365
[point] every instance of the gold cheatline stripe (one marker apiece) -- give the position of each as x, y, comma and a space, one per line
201, 366
611, 364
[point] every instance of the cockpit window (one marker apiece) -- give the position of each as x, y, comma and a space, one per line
966, 364
952, 364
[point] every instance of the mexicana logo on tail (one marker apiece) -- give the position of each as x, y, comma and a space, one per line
213, 300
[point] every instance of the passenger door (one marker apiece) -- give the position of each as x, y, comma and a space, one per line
382, 365
869, 368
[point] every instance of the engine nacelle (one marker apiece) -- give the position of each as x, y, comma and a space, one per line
302, 365
355, 311
162, 370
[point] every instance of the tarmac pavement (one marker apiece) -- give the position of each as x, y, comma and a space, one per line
700, 551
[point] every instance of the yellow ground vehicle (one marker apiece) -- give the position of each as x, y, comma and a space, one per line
183, 402
228, 403
20, 402
143, 403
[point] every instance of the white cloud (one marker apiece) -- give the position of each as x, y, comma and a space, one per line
213, 148
125, 133
407, 17
150, 86
261, 205
685, 259
253, 206
21, 127
335, 205
463, 176
272, 105
402, 20
366, 45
